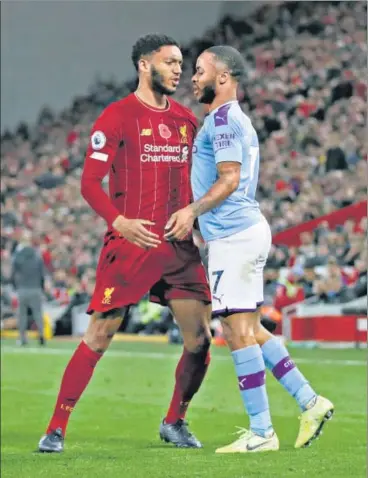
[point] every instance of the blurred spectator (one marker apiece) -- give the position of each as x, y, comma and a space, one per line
28, 279
356, 246
271, 279
321, 256
309, 279
277, 258
291, 291
307, 246
329, 287
335, 156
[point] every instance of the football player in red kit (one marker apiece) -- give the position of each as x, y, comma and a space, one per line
143, 142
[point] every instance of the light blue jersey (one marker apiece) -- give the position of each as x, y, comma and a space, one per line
227, 135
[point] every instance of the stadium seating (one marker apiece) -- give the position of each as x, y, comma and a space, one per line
306, 94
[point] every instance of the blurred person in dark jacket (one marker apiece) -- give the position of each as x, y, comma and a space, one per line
28, 278
335, 156
309, 279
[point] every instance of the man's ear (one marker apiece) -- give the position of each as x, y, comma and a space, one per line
223, 78
144, 65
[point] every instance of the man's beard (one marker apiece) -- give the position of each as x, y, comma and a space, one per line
208, 95
157, 83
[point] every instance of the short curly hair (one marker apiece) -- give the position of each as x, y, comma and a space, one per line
230, 57
150, 43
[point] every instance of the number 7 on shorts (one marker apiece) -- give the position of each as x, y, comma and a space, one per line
218, 275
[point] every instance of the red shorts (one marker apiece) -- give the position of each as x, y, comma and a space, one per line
126, 272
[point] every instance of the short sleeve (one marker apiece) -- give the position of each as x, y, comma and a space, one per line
225, 135
105, 136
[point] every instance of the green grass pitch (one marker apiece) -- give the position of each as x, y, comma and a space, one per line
114, 430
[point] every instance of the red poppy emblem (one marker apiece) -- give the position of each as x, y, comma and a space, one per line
164, 131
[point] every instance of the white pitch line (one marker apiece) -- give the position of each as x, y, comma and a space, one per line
162, 356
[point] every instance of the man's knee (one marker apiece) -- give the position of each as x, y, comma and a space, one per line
240, 330
198, 343
97, 343
257, 328
102, 329
96, 338
204, 342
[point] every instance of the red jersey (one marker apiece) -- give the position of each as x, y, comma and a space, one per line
147, 153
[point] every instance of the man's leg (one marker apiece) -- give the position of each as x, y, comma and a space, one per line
235, 272
35, 303
78, 373
22, 317
185, 288
192, 317
315, 409
278, 361
239, 332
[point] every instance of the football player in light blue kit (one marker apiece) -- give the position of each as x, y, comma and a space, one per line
224, 182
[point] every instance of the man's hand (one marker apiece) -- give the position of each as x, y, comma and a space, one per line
133, 230
179, 224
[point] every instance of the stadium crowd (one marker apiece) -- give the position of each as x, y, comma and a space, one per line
306, 94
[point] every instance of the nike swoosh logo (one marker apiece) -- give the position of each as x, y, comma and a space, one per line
251, 448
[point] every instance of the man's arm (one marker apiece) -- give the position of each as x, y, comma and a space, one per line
229, 176
228, 152
105, 141
227, 148
103, 146
181, 222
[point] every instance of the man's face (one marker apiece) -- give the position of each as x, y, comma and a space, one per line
204, 79
165, 70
